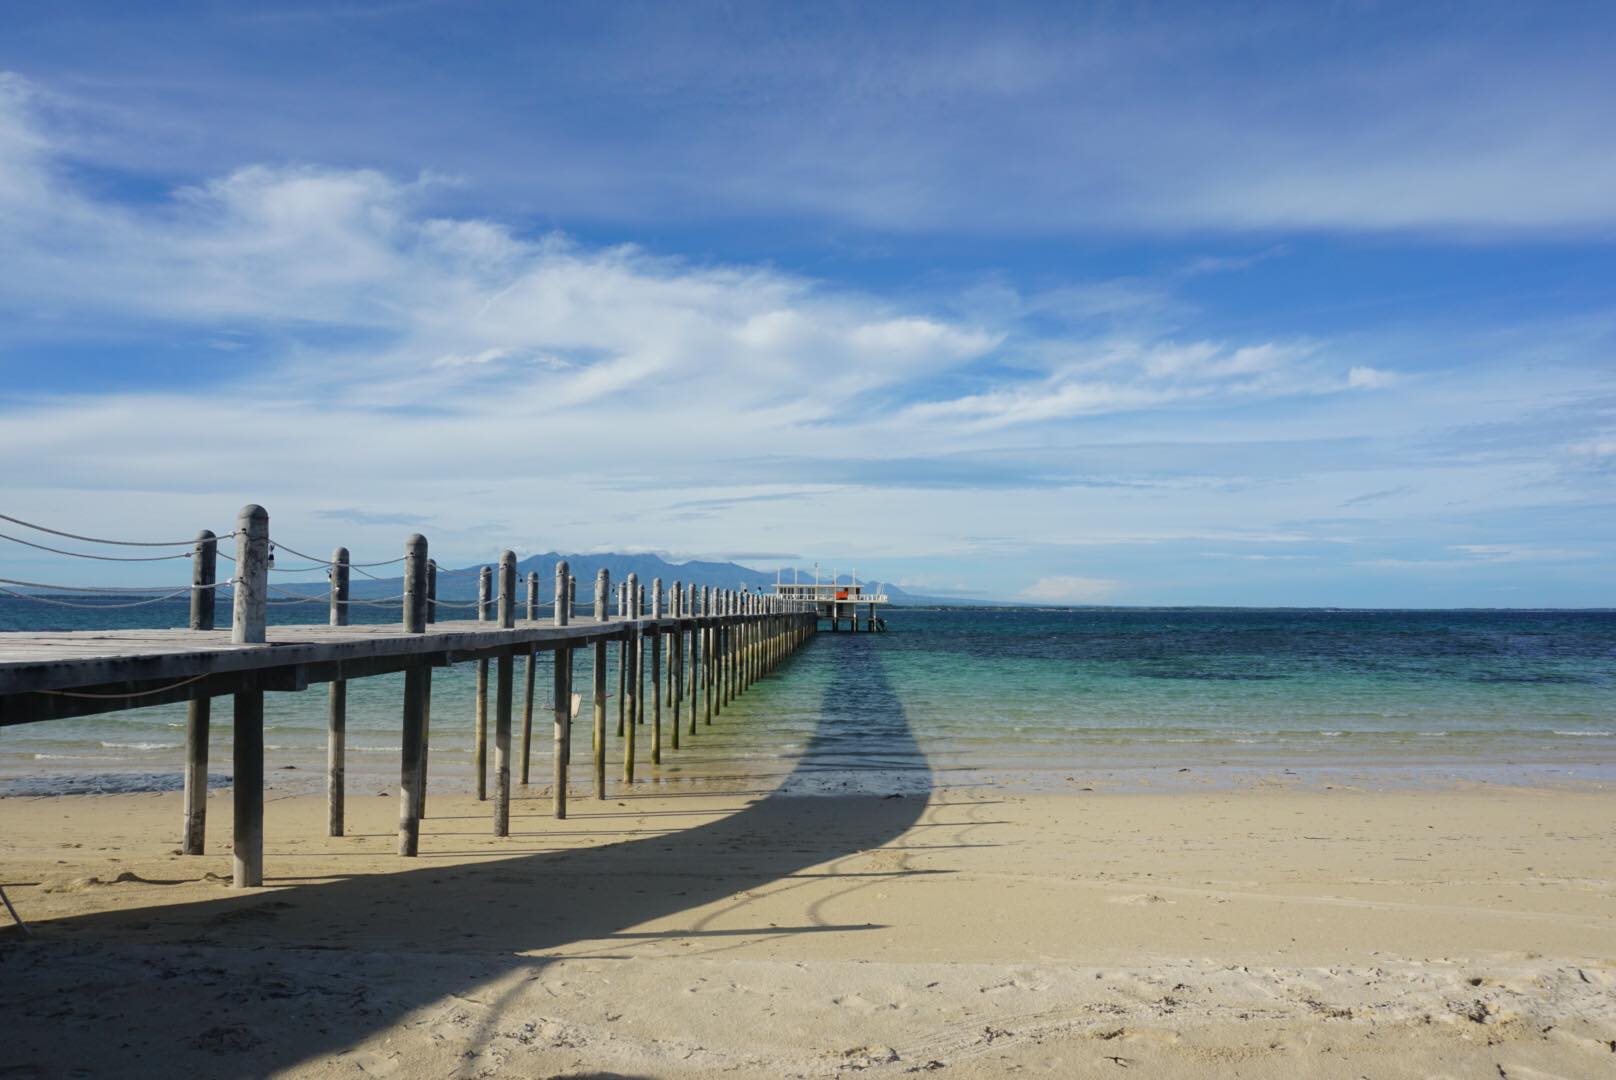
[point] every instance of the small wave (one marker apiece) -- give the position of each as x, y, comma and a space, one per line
1210, 676
123, 783
1588, 734
140, 745
380, 749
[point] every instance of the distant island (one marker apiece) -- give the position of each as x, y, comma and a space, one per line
459, 583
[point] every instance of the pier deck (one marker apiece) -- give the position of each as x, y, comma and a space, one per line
39, 671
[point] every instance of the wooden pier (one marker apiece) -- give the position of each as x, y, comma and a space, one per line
718, 643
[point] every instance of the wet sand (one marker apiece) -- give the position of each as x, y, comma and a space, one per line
971, 932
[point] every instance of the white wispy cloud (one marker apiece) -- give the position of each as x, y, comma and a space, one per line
1088, 380
1363, 377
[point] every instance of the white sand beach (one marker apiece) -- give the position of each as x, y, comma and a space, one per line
1258, 933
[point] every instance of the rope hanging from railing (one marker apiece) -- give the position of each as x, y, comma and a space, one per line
98, 589
327, 562
121, 697
455, 573
89, 555
383, 602
92, 607
98, 539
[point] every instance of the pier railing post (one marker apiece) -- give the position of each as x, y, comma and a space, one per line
506, 673
412, 742
631, 670
336, 712
749, 670
718, 634
622, 658
431, 591
530, 673
602, 591
728, 665
247, 628
199, 710
252, 576
479, 735
430, 613
707, 633
562, 746
695, 652
676, 656
656, 671
639, 654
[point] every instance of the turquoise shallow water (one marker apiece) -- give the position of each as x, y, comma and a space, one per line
1097, 698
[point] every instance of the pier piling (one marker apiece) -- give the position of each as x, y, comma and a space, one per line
529, 677
631, 675
562, 746
479, 735
505, 674
336, 736
198, 711
247, 753
602, 590
656, 672
676, 659
415, 691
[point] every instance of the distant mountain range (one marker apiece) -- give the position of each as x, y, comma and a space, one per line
459, 584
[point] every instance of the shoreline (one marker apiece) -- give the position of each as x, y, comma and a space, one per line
1183, 773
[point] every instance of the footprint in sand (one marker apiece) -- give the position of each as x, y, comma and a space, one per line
860, 1003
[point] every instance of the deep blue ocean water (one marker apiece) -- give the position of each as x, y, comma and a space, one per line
1090, 697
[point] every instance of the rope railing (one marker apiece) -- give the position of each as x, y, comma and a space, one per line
383, 602
91, 555
86, 594
328, 562
470, 570
300, 598
93, 607
96, 539
100, 589
121, 697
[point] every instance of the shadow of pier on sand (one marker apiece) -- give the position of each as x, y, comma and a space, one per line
464, 924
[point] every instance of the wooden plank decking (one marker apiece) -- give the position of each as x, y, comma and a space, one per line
32, 660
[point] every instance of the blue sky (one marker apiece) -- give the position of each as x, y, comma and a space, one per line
1141, 304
